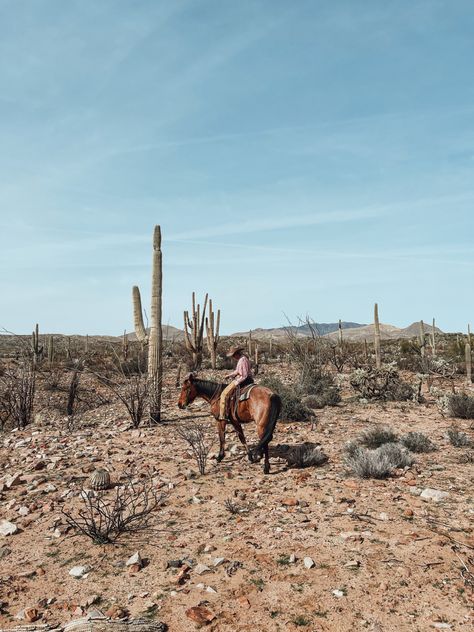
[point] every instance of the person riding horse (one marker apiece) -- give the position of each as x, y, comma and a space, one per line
242, 377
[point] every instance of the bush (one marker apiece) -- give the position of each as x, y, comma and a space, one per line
457, 438
378, 463
381, 384
376, 436
461, 406
418, 442
293, 408
305, 454
466, 457
320, 389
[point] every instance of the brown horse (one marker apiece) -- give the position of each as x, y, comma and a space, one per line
263, 406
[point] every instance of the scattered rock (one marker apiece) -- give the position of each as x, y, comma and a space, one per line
433, 494
7, 528
135, 560
79, 571
200, 615
338, 593
200, 569
309, 562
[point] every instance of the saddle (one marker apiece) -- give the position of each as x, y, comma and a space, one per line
240, 394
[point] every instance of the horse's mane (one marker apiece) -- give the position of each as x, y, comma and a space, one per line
209, 388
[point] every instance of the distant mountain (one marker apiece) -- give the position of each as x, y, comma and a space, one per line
169, 333
320, 329
387, 332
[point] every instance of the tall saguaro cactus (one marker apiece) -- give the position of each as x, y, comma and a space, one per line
341, 340
421, 337
378, 357
212, 334
468, 355
155, 337
194, 330
433, 338
36, 348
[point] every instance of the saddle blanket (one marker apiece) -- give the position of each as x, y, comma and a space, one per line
245, 394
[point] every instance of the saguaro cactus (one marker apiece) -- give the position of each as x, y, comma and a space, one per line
340, 333
433, 339
50, 350
212, 334
155, 338
422, 338
194, 330
378, 357
36, 348
468, 355
140, 330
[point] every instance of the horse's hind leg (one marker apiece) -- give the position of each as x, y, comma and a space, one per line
266, 463
221, 428
240, 432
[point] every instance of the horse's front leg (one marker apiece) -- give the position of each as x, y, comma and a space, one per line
221, 429
266, 462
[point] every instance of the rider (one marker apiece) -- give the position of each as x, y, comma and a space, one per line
242, 376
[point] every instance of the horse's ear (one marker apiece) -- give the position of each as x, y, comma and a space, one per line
189, 377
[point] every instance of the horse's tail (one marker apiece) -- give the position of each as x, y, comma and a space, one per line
275, 409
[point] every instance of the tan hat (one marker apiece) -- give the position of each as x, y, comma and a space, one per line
233, 351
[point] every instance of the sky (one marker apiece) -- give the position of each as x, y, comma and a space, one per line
302, 158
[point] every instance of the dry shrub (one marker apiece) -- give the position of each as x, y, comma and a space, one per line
17, 393
461, 406
196, 438
305, 455
130, 511
376, 436
379, 463
466, 457
457, 438
381, 384
418, 442
293, 408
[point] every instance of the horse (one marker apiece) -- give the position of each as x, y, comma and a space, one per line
262, 406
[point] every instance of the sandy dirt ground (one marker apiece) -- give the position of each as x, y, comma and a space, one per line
383, 558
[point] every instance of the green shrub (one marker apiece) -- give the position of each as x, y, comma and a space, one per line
376, 436
461, 406
293, 409
381, 384
418, 442
379, 463
457, 438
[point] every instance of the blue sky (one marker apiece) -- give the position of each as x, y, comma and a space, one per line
306, 157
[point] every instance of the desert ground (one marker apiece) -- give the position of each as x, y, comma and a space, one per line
312, 549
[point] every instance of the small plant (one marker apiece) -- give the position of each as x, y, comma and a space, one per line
461, 406
104, 520
377, 435
418, 442
381, 384
466, 457
301, 621
293, 408
457, 438
378, 463
195, 437
305, 454
17, 393
232, 507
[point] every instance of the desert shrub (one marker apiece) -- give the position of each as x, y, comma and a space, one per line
418, 442
195, 437
379, 463
300, 455
381, 384
466, 457
461, 406
293, 407
457, 438
320, 389
17, 393
376, 436
104, 520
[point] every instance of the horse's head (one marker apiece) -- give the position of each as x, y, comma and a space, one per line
188, 391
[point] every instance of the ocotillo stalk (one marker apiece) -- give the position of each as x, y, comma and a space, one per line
194, 330
378, 358
178, 376
271, 345
140, 330
50, 350
422, 339
212, 334
125, 345
468, 363
340, 333
249, 343
155, 346
433, 339
366, 349
87, 343
68, 348
256, 358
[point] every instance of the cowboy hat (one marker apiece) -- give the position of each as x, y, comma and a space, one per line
233, 351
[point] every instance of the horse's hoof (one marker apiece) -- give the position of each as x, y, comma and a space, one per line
266, 469
250, 457
219, 458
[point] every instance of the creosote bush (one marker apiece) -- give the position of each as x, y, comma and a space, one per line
418, 442
381, 384
293, 408
195, 437
457, 438
376, 436
461, 406
301, 455
379, 463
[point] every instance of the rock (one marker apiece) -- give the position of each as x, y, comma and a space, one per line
7, 528
23, 511
442, 626
309, 562
31, 615
338, 593
79, 571
174, 563
4, 551
433, 494
408, 513
134, 560
116, 612
200, 615
12, 480
289, 502
292, 558
218, 561
352, 564
200, 569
